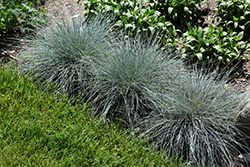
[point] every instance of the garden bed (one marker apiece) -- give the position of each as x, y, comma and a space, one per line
10, 48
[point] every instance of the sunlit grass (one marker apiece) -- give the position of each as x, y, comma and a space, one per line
38, 129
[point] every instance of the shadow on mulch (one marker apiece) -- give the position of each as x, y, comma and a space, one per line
12, 45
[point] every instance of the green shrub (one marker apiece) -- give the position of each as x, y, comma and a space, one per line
196, 120
179, 12
150, 14
212, 43
234, 14
125, 79
20, 16
37, 129
63, 51
132, 15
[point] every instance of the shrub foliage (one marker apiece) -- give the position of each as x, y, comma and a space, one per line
181, 16
125, 79
212, 43
146, 14
196, 120
63, 51
234, 14
20, 15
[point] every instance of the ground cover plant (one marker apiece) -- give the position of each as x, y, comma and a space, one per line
62, 52
174, 18
196, 119
125, 79
234, 14
225, 42
149, 14
20, 16
131, 16
179, 12
38, 129
213, 43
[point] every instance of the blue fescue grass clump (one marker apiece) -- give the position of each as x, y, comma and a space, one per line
125, 79
38, 129
62, 52
196, 120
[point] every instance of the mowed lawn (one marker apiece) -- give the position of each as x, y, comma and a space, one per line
39, 129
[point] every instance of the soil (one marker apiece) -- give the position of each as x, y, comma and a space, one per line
11, 46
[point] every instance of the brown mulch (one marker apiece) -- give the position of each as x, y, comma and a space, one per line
12, 46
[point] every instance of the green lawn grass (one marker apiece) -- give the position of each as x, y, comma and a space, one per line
39, 129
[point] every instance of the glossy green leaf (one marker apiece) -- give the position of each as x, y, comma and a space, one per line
190, 39
218, 48
186, 10
130, 26
242, 18
199, 56
236, 24
170, 10
175, 16
119, 23
240, 35
152, 29
160, 24
242, 27
202, 50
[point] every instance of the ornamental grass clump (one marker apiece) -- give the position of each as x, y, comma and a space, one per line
196, 120
125, 79
62, 52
